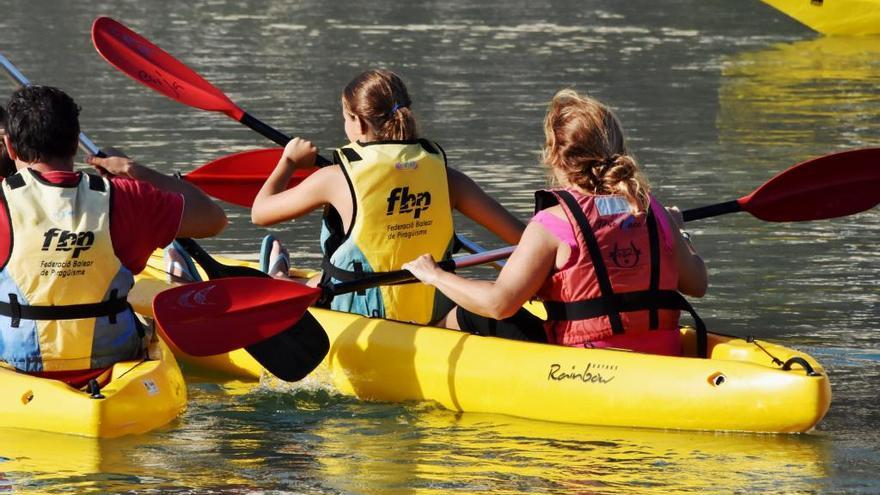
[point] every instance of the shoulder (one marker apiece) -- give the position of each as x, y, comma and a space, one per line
131, 190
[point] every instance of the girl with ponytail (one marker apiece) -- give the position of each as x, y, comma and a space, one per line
608, 261
387, 198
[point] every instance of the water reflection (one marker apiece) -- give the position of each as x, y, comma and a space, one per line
417, 451
802, 94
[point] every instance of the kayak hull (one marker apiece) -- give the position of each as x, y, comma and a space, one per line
140, 396
739, 388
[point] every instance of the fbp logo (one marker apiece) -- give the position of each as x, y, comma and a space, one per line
65, 240
416, 202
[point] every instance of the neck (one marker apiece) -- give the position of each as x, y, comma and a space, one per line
47, 166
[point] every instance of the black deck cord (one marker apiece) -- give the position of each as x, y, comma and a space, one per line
751, 340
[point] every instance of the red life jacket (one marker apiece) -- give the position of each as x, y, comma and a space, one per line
624, 280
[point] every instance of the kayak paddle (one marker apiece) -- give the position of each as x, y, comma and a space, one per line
150, 65
224, 314
217, 316
237, 178
829, 186
146, 63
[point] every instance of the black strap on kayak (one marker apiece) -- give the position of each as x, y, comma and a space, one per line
17, 312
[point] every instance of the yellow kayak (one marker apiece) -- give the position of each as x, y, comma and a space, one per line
140, 396
739, 388
837, 17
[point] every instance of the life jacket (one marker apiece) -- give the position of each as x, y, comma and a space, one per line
624, 280
63, 290
402, 210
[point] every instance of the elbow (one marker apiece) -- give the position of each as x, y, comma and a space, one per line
209, 226
501, 310
258, 218
698, 291
695, 288
218, 222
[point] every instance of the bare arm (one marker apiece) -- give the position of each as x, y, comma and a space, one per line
274, 203
202, 217
471, 200
526, 270
693, 278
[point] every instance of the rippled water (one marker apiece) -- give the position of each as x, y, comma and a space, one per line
716, 97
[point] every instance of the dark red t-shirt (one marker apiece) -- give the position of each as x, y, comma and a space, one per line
142, 218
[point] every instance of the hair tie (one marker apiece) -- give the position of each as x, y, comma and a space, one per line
397, 106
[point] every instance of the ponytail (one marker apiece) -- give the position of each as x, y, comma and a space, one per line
379, 98
584, 142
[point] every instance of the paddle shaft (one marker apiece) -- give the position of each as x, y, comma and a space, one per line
401, 276
16, 76
275, 135
711, 210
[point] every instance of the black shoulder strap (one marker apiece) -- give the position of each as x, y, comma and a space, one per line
654, 285
96, 183
350, 154
427, 146
442, 152
15, 181
545, 199
595, 255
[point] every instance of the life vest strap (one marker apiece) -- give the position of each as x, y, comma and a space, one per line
343, 275
592, 243
16, 311
626, 302
623, 302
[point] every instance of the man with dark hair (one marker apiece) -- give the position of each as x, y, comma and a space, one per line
70, 241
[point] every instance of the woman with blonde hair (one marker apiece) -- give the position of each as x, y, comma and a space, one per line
608, 261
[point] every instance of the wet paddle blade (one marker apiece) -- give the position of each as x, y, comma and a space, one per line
151, 66
218, 316
238, 178
830, 186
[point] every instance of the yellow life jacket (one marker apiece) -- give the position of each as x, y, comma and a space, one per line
63, 290
402, 210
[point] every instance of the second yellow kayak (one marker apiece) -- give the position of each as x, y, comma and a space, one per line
138, 396
835, 17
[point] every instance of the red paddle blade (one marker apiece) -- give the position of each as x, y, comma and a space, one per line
222, 315
151, 66
238, 178
830, 186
